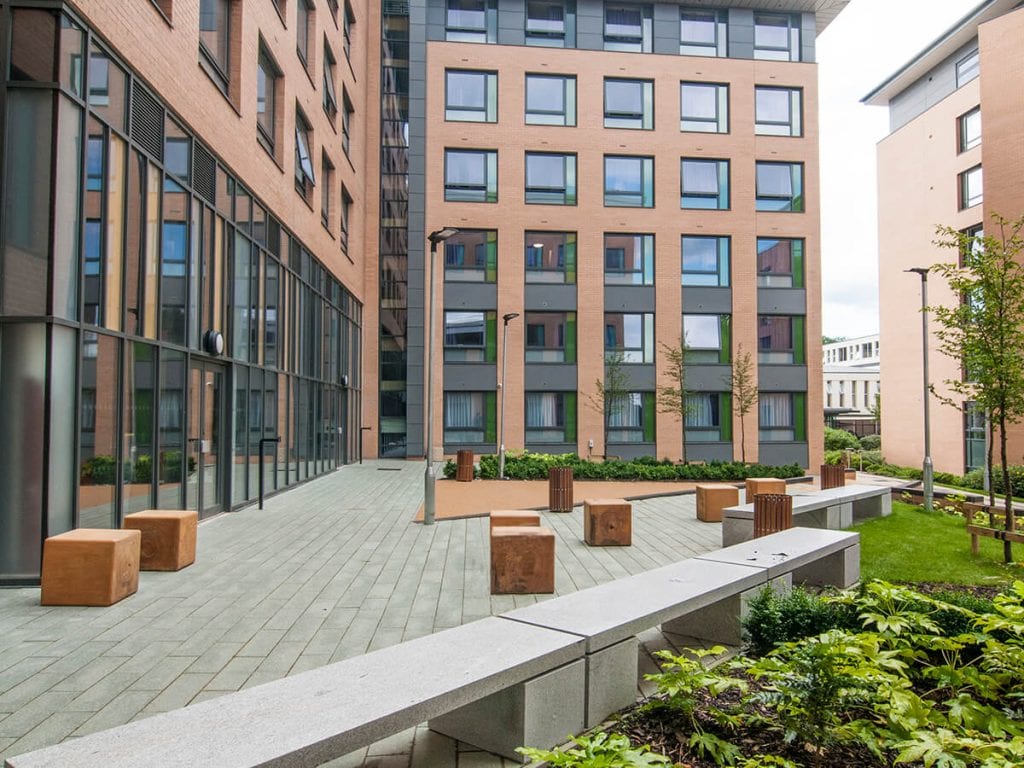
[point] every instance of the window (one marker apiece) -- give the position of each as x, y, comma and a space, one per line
628, 103
303, 22
305, 180
550, 337
347, 21
977, 243
327, 177
704, 417
470, 417
631, 418
707, 339
346, 122
346, 217
470, 96
471, 21
967, 68
704, 184
550, 257
705, 261
629, 181
95, 148
780, 263
330, 99
969, 129
471, 175
704, 107
628, 28
780, 340
630, 335
550, 417
470, 337
778, 111
703, 32
267, 75
780, 187
215, 38
471, 256
777, 36
782, 417
974, 436
550, 100
970, 187
628, 259
551, 23
550, 178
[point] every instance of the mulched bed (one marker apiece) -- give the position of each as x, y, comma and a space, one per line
933, 587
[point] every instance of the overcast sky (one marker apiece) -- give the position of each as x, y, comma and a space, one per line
869, 41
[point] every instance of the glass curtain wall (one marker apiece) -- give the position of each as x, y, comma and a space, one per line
154, 249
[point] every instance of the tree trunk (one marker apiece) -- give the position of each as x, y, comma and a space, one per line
1007, 490
743, 438
990, 425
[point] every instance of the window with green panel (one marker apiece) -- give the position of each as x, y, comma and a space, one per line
550, 417
470, 418
707, 338
631, 418
781, 339
550, 257
780, 263
470, 337
708, 417
471, 256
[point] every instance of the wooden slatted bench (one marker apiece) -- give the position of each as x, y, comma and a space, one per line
834, 508
996, 528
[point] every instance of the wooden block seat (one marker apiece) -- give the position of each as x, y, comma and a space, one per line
522, 560
851, 475
168, 537
712, 498
608, 522
90, 566
503, 518
756, 485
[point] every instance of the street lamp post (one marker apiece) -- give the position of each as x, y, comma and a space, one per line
429, 507
927, 469
506, 319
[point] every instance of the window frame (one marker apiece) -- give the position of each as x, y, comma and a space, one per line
271, 74
304, 10
547, 434
305, 177
691, 123
964, 141
770, 203
221, 72
549, 116
487, 402
639, 121
645, 352
720, 47
330, 100
347, 110
723, 258
642, 42
794, 126
721, 200
795, 353
549, 38
646, 250
968, 68
793, 431
460, 352
964, 179
327, 177
462, 113
794, 278
563, 348
564, 252
487, 33
716, 354
617, 198
345, 218
794, 34
487, 192
551, 195
483, 268
632, 433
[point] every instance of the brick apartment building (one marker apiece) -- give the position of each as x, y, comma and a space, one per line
211, 236
954, 156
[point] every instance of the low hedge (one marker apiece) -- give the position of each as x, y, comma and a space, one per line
524, 465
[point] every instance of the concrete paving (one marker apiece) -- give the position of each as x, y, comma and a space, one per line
328, 570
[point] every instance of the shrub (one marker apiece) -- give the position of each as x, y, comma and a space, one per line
840, 439
143, 469
99, 470
871, 443
523, 465
775, 619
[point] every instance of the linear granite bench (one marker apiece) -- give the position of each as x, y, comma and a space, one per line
525, 682
834, 508
703, 598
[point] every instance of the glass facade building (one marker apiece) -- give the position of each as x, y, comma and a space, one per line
158, 324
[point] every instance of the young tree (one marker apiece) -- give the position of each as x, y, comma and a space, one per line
743, 385
984, 332
611, 392
673, 398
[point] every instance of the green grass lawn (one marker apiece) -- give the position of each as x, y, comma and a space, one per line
913, 545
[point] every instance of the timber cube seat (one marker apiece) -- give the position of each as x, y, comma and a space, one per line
502, 518
168, 538
712, 498
758, 485
522, 560
851, 475
90, 566
608, 522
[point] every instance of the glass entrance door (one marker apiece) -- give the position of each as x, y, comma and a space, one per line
206, 448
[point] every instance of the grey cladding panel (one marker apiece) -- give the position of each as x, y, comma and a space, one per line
666, 28
782, 301
590, 25
782, 378
808, 34
629, 298
741, 33
783, 453
470, 377
707, 300
708, 378
512, 22
470, 295
550, 297
639, 377
550, 377
709, 451
554, 448
478, 448
632, 450
927, 91
436, 13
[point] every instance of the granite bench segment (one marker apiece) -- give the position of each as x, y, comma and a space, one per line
315, 716
834, 508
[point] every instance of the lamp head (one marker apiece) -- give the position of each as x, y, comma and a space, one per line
922, 271
441, 235
509, 317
